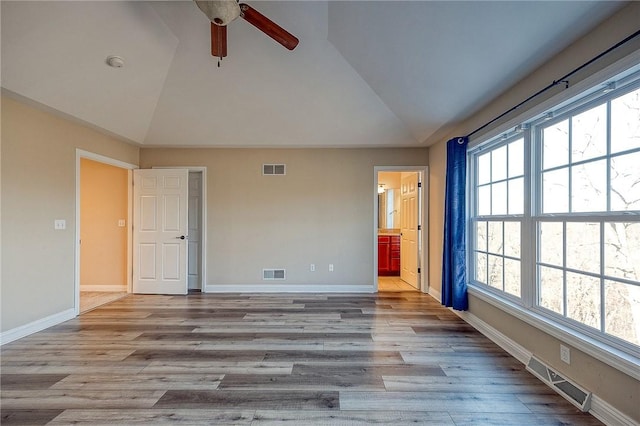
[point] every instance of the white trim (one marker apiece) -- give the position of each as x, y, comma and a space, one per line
129, 288
435, 293
613, 357
35, 326
424, 222
289, 288
100, 287
600, 409
102, 159
608, 414
80, 153
514, 349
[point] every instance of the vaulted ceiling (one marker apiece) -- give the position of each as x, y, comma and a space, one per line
365, 74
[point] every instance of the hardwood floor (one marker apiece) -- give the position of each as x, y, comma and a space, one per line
301, 359
393, 284
92, 299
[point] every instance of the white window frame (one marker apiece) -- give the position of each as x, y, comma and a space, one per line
616, 352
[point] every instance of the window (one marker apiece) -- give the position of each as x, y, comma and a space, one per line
555, 216
499, 205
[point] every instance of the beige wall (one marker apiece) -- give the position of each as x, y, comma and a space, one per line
103, 202
38, 186
614, 387
321, 212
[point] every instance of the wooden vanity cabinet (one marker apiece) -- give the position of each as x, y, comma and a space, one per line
388, 255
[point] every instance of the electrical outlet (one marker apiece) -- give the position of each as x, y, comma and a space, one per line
565, 354
312, 267
59, 224
331, 267
122, 223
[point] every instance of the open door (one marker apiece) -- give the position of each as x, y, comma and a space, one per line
409, 228
160, 208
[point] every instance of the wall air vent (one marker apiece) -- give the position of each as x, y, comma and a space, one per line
572, 392
274, 169
273, 274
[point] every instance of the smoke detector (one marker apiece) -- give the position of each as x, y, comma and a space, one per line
115, 61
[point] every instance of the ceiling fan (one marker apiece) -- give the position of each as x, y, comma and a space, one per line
222, 12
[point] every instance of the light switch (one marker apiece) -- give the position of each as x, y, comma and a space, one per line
122, 223
59, 224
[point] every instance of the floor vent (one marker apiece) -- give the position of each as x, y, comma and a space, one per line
274, 169
572, 392
273, 274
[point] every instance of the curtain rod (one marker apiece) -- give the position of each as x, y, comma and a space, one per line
563, 79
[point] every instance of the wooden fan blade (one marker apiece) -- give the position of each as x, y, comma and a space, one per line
218, 40
268, 27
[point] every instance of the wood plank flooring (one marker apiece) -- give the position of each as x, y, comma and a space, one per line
302, 359
92, 299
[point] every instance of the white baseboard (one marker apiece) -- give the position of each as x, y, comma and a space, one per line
608, 414
108, 288
435, 294
288, 288
35, 326
600, 409
514, 349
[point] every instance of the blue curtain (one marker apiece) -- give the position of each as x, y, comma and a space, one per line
454, 277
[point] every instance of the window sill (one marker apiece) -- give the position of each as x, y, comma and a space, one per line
620, 360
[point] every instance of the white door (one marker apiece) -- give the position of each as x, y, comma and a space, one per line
409, 228
160, 231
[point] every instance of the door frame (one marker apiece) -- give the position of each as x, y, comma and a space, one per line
423, 234
80, 154
203, 227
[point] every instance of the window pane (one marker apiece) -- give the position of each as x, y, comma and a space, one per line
625, 122
583, 246
512, 277
583, 299
555, 147
499, 198
622, 301
589, 187
516, 196
589, 134
551, 243
494, 237
481, 236
495, 272
512, 239
516, 158
625, 182
481, 267
484, 200
551, 294
499, 164
484, 168
622, 250
555, 191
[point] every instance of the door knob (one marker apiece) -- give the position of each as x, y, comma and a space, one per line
182, 237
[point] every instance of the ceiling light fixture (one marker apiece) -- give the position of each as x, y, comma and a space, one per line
115, 61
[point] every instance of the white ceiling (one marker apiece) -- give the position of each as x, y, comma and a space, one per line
366, 73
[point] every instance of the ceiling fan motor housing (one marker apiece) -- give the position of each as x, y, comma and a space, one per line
220, 12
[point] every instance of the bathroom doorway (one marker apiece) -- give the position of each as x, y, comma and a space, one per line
399, 232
